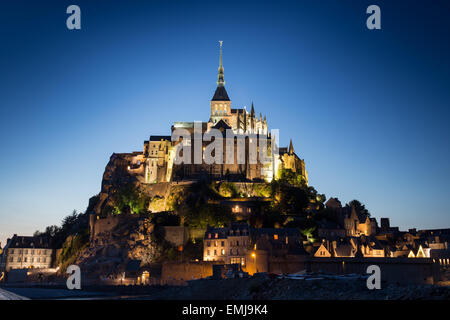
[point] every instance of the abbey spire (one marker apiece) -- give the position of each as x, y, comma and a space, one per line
220, 75
220, 94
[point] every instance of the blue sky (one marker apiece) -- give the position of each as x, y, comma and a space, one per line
367, 110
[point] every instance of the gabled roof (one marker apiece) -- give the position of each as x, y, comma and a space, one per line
220, 94
344, 250
221, 125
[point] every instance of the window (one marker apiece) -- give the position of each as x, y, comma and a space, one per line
11, 259
19, 259
237, 242
223, 243
217, 235
26, 251
25, 259
215, 252
207, 252
275, 237
223, 252
208, 243
44, 259
32, 251
38, 259
11, 251
231, 252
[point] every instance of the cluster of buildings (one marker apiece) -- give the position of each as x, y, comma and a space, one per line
157, 162
354, 234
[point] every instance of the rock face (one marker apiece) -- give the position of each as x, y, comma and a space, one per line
116, 174
128, 238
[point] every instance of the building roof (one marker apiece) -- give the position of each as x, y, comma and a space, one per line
344, 250
29, 242
220, 94
221, 125
133, 265
159, 138
278, 231
326, 224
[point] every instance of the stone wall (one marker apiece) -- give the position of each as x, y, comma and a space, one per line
393, 270
176, 272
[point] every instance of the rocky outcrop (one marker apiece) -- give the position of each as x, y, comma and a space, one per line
129, 238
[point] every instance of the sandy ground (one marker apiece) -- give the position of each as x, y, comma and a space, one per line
256, 288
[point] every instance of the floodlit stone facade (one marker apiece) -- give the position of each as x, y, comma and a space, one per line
26, 252
250, 140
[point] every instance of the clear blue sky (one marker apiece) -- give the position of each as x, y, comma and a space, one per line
367, 110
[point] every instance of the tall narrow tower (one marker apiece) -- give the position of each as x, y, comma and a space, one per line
220, 103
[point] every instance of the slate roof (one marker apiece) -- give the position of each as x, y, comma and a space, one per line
220, 94
133, 265
221, 124
29, 242
343, 250
159, 138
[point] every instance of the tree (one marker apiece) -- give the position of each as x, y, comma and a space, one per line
359, 207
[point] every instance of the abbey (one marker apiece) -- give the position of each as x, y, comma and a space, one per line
157, 162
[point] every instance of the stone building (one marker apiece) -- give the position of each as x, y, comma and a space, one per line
252, 248
229, 245
23, 252
157, 162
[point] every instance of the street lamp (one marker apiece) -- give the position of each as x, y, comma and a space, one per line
254, 260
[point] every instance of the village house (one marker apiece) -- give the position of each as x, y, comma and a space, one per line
22, 252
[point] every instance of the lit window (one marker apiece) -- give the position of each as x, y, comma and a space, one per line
275, 236
223, 252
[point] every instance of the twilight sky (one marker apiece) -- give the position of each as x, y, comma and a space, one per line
367, 110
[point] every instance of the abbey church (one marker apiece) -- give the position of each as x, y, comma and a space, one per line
157, 162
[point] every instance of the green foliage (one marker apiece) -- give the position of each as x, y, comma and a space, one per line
228, 190
157, 204
202, 215
359, 207
75, 223
129, 199
292, 178
71, 248
308, 232
263, 190
288, 199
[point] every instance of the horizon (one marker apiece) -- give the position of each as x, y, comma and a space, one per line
366, 110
